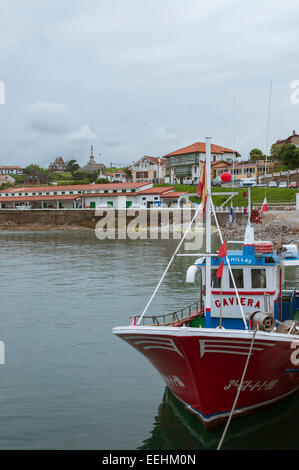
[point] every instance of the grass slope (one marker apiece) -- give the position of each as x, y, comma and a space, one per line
273, 195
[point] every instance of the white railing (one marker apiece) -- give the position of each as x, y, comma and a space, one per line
283, 173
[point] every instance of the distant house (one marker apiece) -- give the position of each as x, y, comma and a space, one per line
242, 169
91, 166
117, 176
58, 166
36, 178
292, 139
11, 170
148, 169
184, 163
6, 179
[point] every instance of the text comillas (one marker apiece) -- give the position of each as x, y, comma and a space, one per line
230, 301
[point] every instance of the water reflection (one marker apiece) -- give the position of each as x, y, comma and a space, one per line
175, 428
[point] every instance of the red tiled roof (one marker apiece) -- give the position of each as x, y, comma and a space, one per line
109, 194
224, 162
200, 147
158, 190
39, 198
74, 187
11, 168
174, 194
156, 160
153, 159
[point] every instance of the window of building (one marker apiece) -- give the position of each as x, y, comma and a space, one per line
238, 277
258, 278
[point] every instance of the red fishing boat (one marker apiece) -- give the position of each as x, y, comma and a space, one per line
236, 349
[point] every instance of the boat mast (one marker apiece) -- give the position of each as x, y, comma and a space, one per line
208, 234
249, 230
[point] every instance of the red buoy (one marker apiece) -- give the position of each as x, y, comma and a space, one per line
226, 177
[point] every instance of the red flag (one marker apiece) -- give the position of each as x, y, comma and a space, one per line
223, 250
263, 209
264, 206
220, 270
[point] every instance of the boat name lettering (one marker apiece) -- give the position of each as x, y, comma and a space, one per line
227, 302
240, 259
173, 380
295, 354
252, 386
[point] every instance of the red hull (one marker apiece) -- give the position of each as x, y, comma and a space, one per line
203, 367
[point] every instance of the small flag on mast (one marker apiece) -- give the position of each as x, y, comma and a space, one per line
231, 215
263, 209
223, 250
219, 271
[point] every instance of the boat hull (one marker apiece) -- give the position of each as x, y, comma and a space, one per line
203, 367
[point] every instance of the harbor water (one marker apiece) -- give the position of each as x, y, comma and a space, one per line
68, 382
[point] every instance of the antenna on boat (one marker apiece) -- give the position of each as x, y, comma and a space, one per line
268, 127
249, 230
208, 232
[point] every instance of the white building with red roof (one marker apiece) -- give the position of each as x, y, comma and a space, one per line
148, 169
91, 196
184, 164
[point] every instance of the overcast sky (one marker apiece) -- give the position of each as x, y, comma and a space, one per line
144, 77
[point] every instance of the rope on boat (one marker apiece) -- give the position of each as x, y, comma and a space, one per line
229, 266
238, 393
169, 264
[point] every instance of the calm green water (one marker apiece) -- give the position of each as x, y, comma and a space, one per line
68, 383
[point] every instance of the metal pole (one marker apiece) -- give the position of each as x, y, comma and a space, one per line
208, 234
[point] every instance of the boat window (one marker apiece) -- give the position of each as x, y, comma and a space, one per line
258, 278
238, 277
215, 282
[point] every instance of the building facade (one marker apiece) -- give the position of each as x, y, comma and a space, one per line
292, 139
117, 176
184, 164
92, 196
243, 169
11, 170
6, 179
58, 166
148, 169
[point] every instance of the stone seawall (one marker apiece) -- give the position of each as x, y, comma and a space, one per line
87, 219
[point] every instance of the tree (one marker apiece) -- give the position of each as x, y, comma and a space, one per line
289, 156
72, 166
275, 151
128, 173
256, 154
102, 181
34, 169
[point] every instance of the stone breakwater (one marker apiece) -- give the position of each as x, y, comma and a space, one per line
84, 219
274, 225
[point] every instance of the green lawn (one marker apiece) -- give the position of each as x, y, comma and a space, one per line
273, 195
